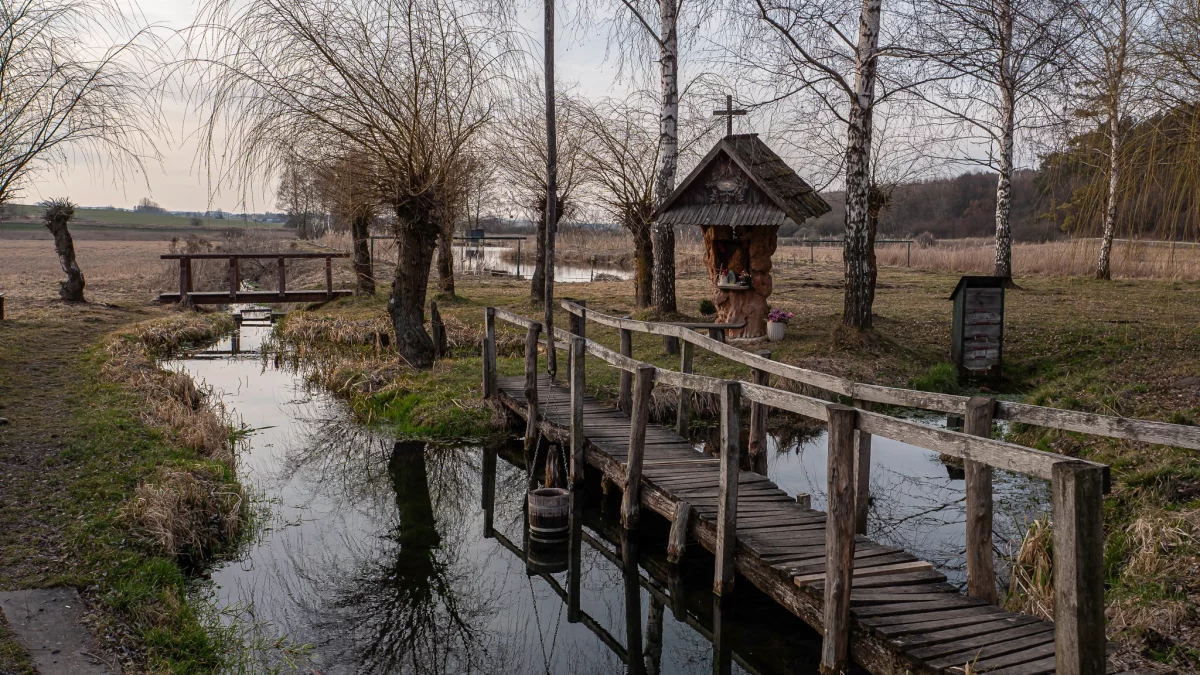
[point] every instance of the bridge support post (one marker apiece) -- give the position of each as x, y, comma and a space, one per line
757, 450
839, 540
234, 280
727, 489
575, 556
531, 394
328, 277
489, 352
862, 474
623, 394
630, 507
1078, 533
578, 322
282, 278
576, 374
683, 411
489, 491
981, 572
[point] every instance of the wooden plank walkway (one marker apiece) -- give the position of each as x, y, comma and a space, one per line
905, 615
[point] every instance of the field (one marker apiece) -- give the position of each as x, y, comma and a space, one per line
23, 218
1128, 347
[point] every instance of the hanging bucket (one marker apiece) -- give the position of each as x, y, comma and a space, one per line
549, 511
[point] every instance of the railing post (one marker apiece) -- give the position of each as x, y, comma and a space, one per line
489, 352
717, 334
862, 474
531, 391
234, 281
185, 279
626, 377
489, 491
727, 489
577, 370
328, 278
677, 540
683, 411
1078, 540
438, 330
839, 539
630, 508
578, 322
1, 306
282, 278
757, 450
981, 573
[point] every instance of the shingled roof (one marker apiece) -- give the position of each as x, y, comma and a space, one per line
715, 193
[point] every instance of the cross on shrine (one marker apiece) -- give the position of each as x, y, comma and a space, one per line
728, 113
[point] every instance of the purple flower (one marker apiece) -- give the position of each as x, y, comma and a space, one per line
780, 316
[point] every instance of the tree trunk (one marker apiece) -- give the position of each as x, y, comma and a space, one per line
537, 284
417, 235
639, 226
58, 214
360, 233
1104, 265
1007, 123
551, 190
857, 252
664, 235
445, 260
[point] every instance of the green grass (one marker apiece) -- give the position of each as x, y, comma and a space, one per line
24, 216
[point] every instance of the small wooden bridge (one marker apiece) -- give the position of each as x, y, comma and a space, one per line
235, 294
880, 606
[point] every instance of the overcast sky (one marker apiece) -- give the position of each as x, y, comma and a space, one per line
179, 183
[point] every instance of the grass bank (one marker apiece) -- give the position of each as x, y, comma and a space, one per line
1128, 347
118, 480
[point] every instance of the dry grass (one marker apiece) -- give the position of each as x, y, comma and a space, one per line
1031, 590
187, 512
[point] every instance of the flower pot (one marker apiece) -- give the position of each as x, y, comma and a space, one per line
775, 330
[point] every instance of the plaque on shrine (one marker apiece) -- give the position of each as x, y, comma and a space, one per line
739, 195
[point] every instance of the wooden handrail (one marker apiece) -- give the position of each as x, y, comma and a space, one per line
1144, 431
250, 256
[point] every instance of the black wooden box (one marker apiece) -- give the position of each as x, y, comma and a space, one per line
977, 340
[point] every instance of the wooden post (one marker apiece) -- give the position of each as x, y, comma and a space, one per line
489, 491
839, 540
575, 555
717, 334
727, 489
630, 509
677, 541
633, 605
1, 306
185, 279
757, 450
234, 281
531, 391
328, 278
862, 473
1078, 533
489, 352
282, 278
981, 573
721, 640
671, 344
578, 322
626, 376
439, 331
578, 461
683, 411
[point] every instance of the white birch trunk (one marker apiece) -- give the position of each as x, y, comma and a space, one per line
664, 235
1007, 122
1103, 266
860, 289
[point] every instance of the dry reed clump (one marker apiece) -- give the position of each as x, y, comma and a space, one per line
161, 336
1031, 590
304, 327
188, 513
1163, 553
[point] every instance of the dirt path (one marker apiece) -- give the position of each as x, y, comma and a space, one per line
41, 347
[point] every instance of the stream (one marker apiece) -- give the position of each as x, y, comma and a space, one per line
377, 553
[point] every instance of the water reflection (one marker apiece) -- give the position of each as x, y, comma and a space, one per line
391, 556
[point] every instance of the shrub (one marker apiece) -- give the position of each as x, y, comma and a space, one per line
707, 307
926, 240
942, 378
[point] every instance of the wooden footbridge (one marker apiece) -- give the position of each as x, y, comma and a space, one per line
876, 605
236, 294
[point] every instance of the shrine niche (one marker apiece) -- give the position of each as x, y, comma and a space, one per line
739, 195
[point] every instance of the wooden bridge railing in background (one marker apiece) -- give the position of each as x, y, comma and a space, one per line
1077, 485
187, 295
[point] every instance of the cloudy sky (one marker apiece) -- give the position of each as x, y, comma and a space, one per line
179, 182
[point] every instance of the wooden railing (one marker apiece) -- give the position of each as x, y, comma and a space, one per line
1077, 485
187, 295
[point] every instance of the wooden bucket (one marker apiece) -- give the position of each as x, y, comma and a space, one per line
549, 557
549, 511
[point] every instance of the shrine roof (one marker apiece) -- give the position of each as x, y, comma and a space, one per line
778, 194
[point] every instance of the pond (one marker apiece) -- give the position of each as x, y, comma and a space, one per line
379, 555
482, 260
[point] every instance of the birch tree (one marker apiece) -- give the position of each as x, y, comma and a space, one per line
831, 49
999, 60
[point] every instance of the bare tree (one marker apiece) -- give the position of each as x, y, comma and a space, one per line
349, 185
517, 142
999, 59
299, 196
58, 213
405, 84
831, 50
72, 85
622, 159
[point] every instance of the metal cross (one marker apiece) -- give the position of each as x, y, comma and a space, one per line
728, 113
